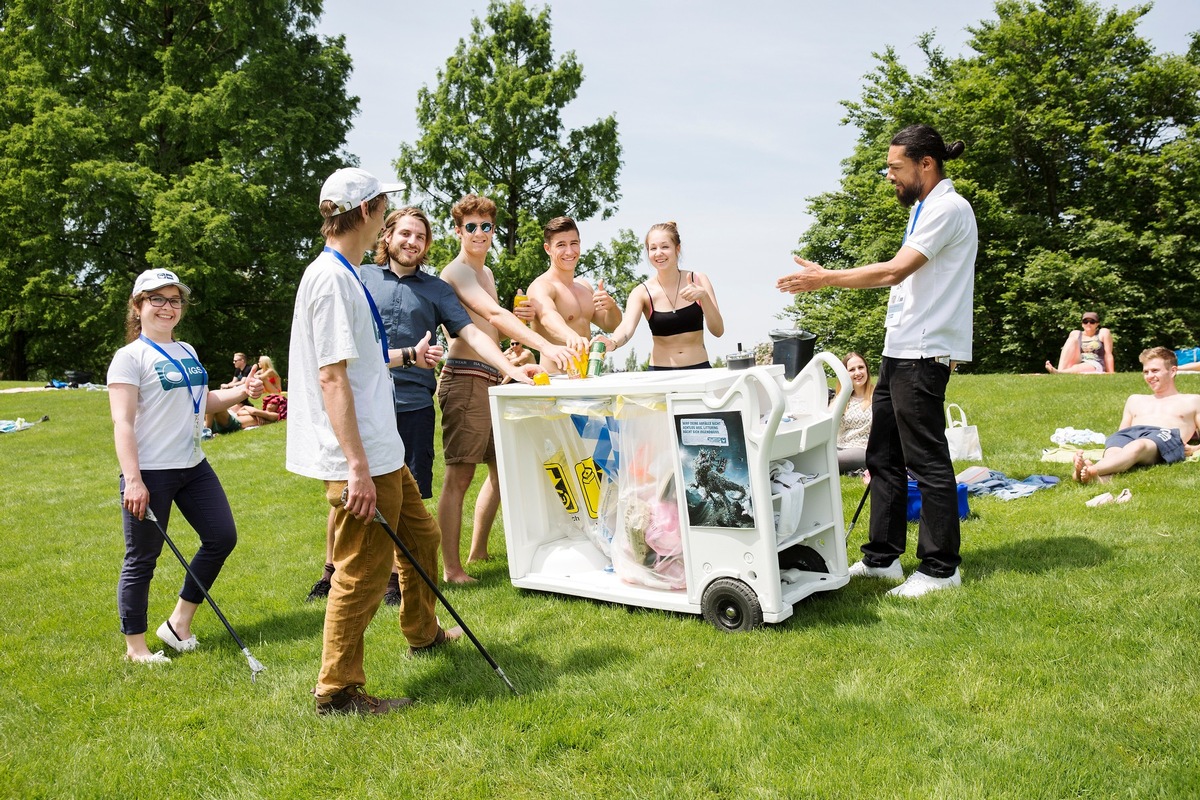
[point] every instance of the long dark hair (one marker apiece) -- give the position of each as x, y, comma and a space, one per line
919, 141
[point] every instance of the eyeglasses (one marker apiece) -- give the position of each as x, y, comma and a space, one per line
1090, 321
486, 227
158, 301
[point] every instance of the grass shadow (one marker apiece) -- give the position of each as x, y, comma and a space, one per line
1036, 556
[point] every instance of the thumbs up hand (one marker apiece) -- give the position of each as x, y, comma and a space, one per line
602, 300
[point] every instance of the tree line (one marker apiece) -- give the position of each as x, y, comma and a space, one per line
192, 136
1082, 164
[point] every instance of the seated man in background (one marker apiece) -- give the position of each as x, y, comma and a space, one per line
1153, 429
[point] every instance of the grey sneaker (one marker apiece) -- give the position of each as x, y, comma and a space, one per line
919, 583
320, 589
892, 572
354, 700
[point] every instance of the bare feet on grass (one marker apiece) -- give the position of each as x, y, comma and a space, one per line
460, 577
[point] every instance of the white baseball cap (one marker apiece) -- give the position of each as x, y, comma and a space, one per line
153, 279
350, 186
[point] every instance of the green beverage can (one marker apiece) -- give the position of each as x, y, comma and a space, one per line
596, 359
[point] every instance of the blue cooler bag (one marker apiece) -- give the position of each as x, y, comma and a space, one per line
914, 502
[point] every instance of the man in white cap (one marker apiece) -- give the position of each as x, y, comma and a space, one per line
342, 430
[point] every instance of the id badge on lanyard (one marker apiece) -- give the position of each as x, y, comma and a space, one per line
197, 398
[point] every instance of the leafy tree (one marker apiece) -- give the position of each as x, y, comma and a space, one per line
1082, 165
493, 126
186, 135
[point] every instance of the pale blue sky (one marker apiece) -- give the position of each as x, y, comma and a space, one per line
728, 113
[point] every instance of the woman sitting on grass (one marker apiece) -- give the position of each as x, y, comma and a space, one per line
855, 426
1087, 352
272, 384
158, 393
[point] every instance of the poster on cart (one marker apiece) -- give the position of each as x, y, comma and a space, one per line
716, 475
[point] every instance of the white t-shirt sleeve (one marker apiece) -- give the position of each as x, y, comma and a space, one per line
331, 314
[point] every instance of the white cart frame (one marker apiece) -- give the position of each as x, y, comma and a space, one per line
733, 575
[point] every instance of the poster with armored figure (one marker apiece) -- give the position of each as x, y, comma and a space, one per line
716, 475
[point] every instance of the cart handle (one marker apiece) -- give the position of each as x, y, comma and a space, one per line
838, 407
763, 378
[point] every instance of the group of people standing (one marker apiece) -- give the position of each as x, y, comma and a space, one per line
364, 429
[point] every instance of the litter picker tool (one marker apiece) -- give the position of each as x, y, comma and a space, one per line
438, 592
861, 503
255, 665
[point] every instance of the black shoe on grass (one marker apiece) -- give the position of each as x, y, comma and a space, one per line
392, 598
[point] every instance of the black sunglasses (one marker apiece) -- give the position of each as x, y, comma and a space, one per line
1091, 321
486, 227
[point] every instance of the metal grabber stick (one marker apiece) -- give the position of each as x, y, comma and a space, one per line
861, 503
432, 584
255, 665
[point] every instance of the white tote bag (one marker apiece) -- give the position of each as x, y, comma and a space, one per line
962, 438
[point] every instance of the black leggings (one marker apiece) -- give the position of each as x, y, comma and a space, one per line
198, 493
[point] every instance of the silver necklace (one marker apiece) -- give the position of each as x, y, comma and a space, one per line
678, 283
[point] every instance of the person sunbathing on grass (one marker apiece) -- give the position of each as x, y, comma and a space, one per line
1153, 429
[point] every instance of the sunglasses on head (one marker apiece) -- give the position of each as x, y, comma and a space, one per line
486, 227
1091, 321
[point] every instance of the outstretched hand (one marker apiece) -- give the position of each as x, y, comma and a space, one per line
806, 279
526, 310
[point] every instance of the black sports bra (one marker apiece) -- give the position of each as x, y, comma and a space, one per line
687, 319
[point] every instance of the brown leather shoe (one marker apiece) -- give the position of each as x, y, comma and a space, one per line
353, 700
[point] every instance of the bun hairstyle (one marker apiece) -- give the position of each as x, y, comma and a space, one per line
671, 230
919, 141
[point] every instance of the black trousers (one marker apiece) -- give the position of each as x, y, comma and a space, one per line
908, 426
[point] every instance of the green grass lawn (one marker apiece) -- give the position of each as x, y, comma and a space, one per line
1066, 666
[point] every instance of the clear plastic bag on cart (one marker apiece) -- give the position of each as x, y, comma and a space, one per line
647, 548
576, 489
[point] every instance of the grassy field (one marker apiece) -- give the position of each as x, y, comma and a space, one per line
1066, 666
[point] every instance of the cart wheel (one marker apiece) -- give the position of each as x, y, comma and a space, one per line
731, 605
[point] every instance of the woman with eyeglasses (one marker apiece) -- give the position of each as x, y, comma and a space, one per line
676, 304
158, 394
1088, 351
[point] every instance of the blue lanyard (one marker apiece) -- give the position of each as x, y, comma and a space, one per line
196, 398
916, 217
370, 301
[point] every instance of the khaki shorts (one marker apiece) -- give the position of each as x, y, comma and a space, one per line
466, 414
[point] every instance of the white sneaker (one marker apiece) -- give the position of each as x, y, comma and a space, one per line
172, 640
154, 658
919, 583
892, 572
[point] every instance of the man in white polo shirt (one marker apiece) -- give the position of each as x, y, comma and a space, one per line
342, 430
929, 326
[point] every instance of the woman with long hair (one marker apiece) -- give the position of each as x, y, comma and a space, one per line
855, 426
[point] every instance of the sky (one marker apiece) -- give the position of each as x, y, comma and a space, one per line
729, 115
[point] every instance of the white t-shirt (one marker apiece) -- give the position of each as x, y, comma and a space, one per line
332, 322
930, 313
166, 422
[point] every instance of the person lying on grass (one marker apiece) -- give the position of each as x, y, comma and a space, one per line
1153, 429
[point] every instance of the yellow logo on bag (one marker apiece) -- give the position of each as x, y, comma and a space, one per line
589, 482
562, 485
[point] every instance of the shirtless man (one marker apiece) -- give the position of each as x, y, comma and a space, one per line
463, 389
565, 307
1154, 430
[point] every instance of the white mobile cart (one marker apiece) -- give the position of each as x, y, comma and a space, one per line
751, 544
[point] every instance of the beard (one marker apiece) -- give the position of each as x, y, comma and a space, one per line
907, 195
403, 257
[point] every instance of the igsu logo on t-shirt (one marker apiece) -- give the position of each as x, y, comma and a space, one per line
169, 377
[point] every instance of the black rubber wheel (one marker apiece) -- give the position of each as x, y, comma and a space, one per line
731, 606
